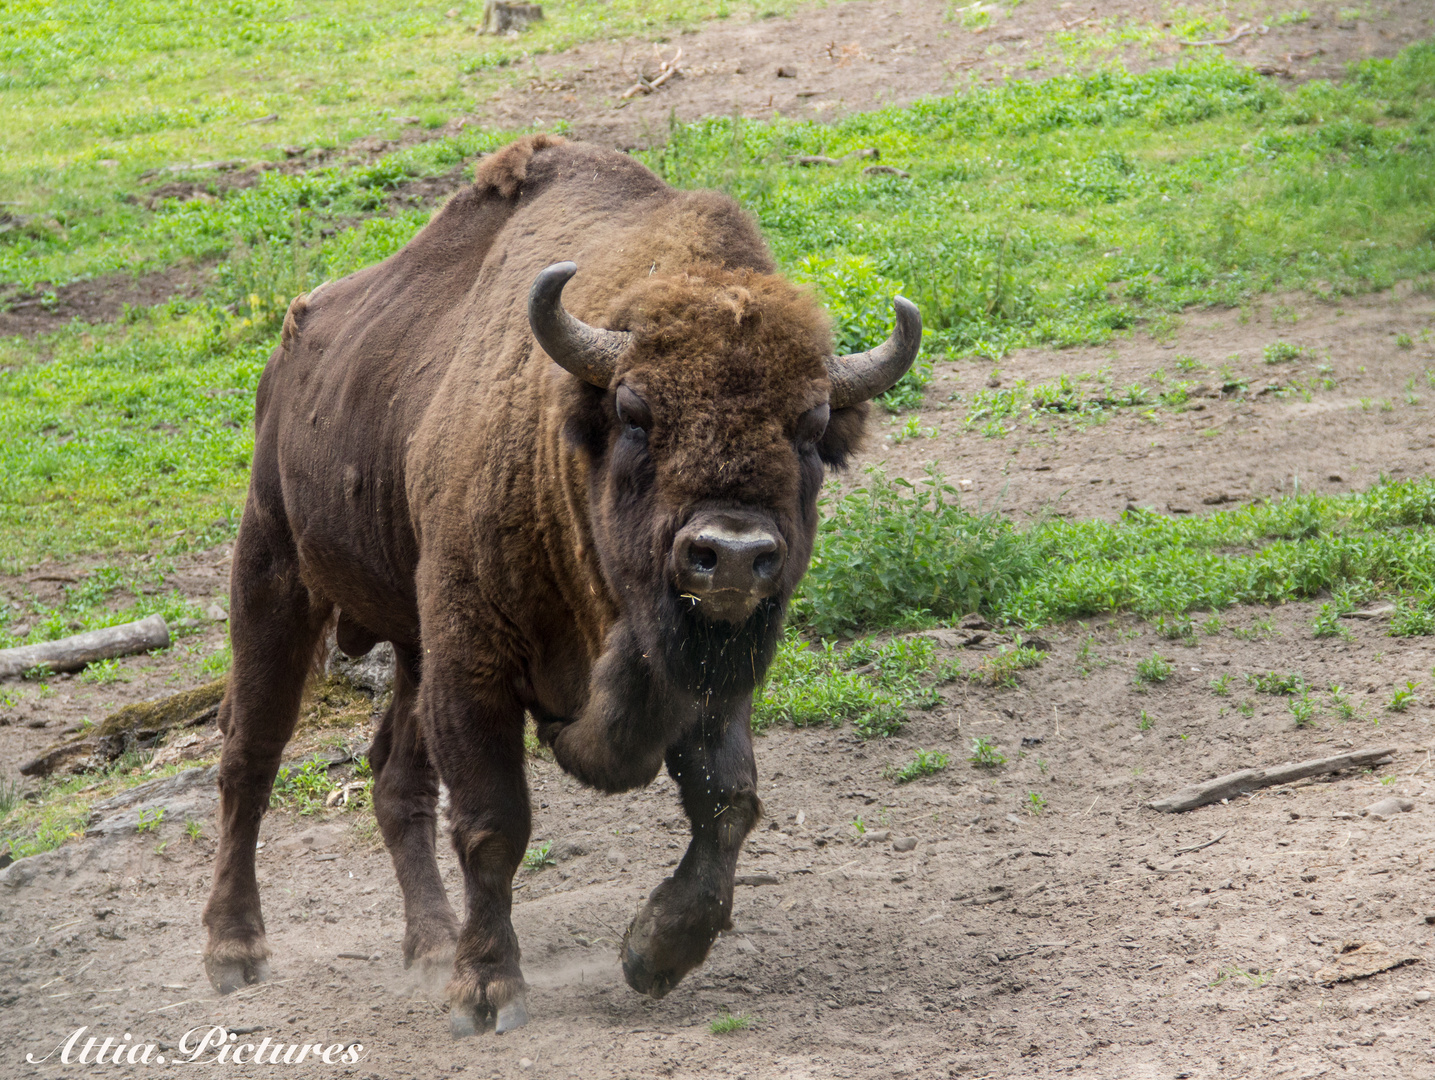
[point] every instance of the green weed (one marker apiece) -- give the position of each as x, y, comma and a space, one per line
985, 754
303, 788
727, 1023
149, 820
1035, 803
536, 858
1153, 669
1221, 686
1270, 682
1302, 709
1403, 697
925, 763
1341, 703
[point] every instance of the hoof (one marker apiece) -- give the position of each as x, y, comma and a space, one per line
641, 977
227, 976
512, 1016
465, 1021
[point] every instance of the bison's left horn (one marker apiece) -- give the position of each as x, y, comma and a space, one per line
862, 376
587, 351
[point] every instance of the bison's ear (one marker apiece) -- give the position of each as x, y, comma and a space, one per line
588, 423
844, 435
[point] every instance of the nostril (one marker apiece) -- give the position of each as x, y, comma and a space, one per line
766, 565
702, 559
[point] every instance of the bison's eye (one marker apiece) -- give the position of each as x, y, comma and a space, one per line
812, 423
633, 411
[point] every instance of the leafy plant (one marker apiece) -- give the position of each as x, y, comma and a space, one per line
303, 788
925, 763
1302, 709
1153, 669
536, 858
985, 754
1035, 803
1221, 686
1283, 352
1270, 682
1144, 722
1403, 696
149, 820
1340, 701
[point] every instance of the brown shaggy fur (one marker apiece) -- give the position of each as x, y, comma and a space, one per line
423, 467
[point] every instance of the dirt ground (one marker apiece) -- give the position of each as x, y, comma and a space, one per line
1008, 942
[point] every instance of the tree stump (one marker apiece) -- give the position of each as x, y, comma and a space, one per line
500, 17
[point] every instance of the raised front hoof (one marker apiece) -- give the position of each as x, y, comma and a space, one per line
641, 976
228, 974
659, 950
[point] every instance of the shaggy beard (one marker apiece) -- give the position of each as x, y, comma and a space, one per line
712, 659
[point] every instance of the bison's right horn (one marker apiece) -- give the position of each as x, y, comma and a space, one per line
862, 376
586, 351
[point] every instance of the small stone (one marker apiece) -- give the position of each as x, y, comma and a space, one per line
215, 613
616, 858
571, 848
743, 945
525, 1063
1388, 808
1422, 996
879, 836
20, 631
1430, 919
787, 71
904, 843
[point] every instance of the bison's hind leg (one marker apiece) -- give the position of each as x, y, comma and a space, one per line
275, 626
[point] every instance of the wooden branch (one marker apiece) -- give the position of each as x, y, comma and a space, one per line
1240, 33
1236, 783
73, 653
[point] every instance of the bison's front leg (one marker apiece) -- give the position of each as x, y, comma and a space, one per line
476, 733
715, 772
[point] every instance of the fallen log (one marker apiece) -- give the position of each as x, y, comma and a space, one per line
140, 725
73, 653
1238, 783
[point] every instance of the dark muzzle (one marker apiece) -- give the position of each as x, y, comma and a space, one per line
727, 563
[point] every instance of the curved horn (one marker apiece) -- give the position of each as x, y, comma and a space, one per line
862, 376
587, 351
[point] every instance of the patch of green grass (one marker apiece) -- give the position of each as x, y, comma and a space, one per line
60, 806
1302, 709
872, 685
536, 858
893, 554
303, 788
1283, 352
1035, 803
1153, 669
1221, 686
1404, 696
1271, 682
1413, 616
985, 754
1063, 210
924, 763
727, 1023
100, 98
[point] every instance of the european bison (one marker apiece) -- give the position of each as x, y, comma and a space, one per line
596, 522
